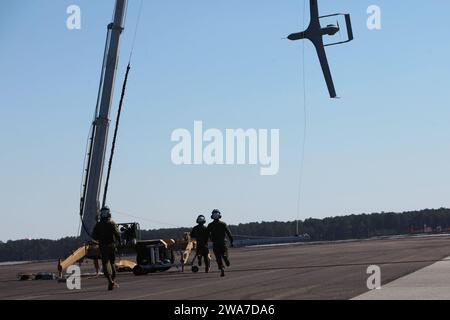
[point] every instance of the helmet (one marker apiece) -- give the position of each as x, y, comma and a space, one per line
201, 219
105, 213
216, 215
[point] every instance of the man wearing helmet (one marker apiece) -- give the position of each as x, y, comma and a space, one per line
201, 235
218, 230
106, 233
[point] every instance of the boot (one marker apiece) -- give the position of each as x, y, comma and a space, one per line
113, 285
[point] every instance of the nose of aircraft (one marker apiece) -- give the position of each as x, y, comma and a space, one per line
296, 36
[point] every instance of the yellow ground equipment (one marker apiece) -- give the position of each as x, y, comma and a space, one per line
90, 251
151, 255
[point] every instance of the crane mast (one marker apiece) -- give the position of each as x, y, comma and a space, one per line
90, 204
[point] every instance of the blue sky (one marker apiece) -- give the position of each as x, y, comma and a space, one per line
385, 146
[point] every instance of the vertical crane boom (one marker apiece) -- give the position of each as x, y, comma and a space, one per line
94, 171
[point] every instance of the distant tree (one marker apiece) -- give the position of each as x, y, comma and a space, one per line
330, 228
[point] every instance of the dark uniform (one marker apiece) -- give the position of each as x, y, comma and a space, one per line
201, 234
106, 233
217, 232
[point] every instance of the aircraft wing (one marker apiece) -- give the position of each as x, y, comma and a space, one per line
314, 8
318, 43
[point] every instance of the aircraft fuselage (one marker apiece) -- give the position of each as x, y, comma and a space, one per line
329, 30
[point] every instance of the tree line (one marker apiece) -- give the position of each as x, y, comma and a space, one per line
360, 226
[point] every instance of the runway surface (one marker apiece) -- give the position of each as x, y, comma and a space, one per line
325, 271
429, 283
